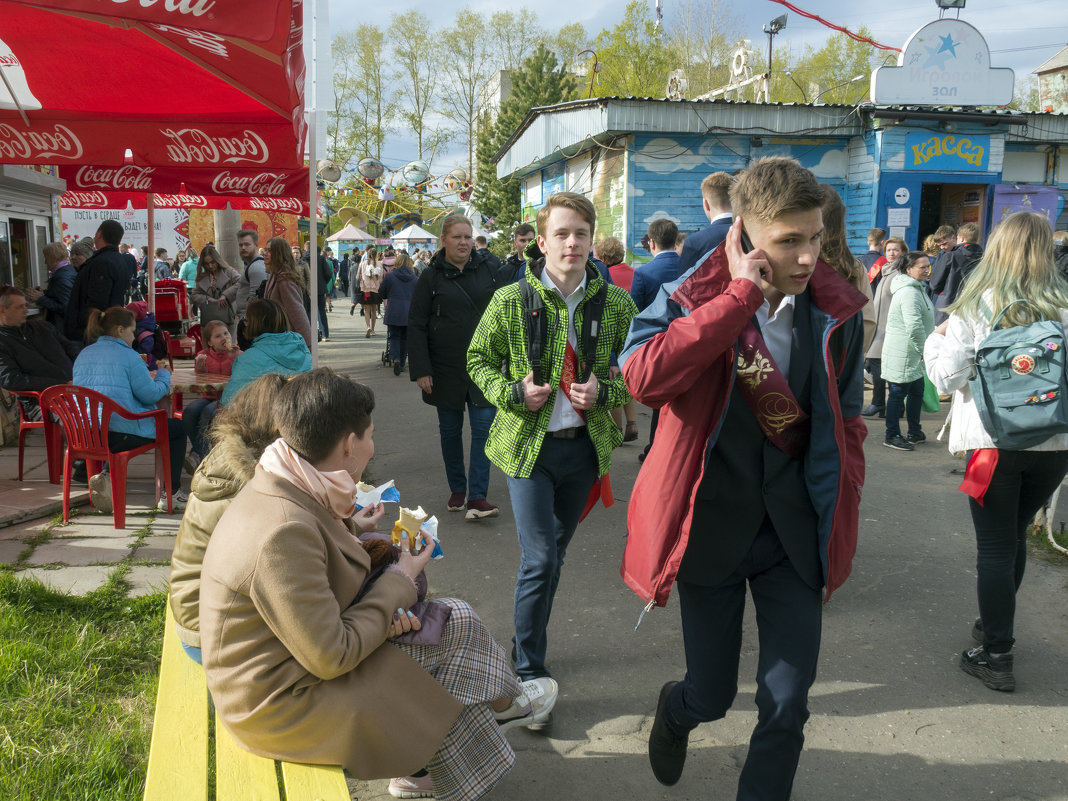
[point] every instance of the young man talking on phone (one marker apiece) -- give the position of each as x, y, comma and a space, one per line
553, 434
754, 358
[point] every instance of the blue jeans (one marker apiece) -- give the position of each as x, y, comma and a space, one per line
197, 417
451, 428
906, 397
398, 344
789, 628
547, 507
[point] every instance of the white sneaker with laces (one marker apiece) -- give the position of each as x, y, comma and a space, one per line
531, 708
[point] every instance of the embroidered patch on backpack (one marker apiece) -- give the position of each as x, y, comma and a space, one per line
1023, 364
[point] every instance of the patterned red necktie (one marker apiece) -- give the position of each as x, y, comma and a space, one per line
569, 375
602, 487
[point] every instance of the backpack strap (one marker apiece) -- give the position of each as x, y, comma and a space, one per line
591, 330
537, 325
994, 325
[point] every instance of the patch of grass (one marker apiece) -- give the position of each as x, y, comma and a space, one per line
78, 682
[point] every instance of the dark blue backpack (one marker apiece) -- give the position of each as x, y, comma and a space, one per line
1019, 386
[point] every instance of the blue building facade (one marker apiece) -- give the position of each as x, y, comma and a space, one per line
905, 170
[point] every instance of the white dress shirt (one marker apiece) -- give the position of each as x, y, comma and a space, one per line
564, 414
778, 331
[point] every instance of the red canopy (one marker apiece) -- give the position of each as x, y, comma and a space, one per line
180, 83
74, 199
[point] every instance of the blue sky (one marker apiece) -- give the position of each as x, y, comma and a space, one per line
1017, 31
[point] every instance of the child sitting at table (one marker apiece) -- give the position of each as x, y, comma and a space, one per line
218, 359
145, 332
110, 366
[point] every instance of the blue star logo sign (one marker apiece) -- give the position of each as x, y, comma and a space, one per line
936, 56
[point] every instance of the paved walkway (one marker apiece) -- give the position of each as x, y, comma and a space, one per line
892, 715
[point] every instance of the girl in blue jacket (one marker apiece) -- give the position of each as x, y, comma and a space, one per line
110, 366
275, 348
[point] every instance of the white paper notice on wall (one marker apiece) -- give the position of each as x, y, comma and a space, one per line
898, 218
898, 232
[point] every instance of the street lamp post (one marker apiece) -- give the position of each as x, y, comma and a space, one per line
772, 28
790, 75
854, 79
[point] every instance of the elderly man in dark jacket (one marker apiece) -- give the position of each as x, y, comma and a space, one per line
448, 302
33, 355
101, 282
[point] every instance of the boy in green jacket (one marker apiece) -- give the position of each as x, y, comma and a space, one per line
553, 434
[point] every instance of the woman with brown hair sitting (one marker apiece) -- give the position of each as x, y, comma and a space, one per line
309, 654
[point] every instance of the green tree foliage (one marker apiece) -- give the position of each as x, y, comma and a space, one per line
701, 38
363, 109
513, 37
539, 81
465, 71
633, 57
826, 74
414, 50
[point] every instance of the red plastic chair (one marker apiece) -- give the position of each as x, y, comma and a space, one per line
85, 415
53, 434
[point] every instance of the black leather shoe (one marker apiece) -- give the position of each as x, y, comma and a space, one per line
874, 411
667, 752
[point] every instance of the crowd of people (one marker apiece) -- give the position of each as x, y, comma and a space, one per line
752, 339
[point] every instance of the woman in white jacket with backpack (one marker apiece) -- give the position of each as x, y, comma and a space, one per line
1006, 487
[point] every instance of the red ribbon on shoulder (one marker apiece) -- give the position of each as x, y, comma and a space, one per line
979, 472
602, 487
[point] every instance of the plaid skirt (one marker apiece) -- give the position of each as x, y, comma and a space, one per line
470, 664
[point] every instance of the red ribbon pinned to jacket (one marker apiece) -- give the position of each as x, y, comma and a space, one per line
602, 486
979, 472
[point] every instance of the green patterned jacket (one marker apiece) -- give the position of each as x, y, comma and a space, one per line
516, 435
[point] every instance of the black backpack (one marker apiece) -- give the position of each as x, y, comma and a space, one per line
538, 327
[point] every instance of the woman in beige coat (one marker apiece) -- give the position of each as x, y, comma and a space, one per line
306, 659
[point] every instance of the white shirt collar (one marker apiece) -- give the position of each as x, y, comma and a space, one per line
548, 281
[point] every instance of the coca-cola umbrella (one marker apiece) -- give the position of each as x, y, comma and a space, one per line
96, 199
179, 96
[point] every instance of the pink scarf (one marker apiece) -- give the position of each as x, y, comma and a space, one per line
335, 490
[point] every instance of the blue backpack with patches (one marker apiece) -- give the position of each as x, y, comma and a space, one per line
1020, 386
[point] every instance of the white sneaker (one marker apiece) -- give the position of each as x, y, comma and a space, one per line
533, 707
178, 502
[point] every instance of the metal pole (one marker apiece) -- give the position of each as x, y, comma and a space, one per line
150, 213
767, 89
311, 11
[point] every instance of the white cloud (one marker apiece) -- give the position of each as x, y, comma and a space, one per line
833, 165
662, 155
660, 214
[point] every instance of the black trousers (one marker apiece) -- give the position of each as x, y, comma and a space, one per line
789, 622
175, 434
1021, 483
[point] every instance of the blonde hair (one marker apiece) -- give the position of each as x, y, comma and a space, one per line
403, 260
108, 322
1017, 263
931, 245
54, 252
716, 189
452, 221
567, 200
250, 417
610, 251
772, 187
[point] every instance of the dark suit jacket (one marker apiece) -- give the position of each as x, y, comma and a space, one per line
704, 241
649, 277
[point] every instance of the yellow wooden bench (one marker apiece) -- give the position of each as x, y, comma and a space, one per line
179, 762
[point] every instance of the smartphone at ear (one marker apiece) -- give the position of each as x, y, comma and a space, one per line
747, 244
747, 247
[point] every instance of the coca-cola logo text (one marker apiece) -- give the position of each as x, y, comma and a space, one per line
60, 143
286, 204
130, 178
205, 40
180, 201
195, 7
9, 60
84, 200
194, 146
264, 184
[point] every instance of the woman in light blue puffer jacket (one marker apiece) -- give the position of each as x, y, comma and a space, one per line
908, 324
112, 367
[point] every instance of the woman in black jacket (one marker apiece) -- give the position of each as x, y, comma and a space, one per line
447, 304
56, 295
